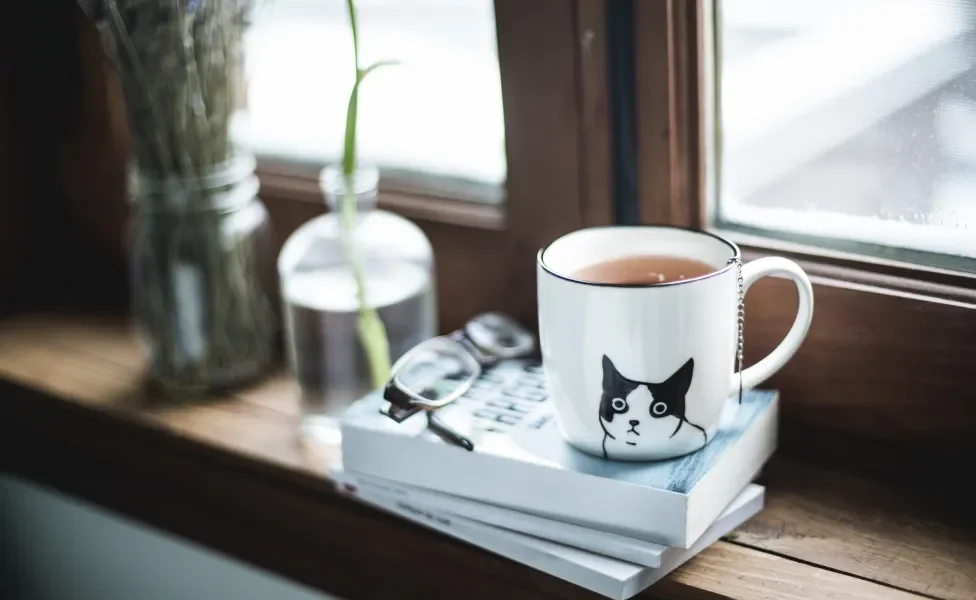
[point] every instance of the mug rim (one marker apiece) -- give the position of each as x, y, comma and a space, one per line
735, 254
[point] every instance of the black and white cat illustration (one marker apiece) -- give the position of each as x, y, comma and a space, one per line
632, 411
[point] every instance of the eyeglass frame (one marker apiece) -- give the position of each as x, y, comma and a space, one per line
478, 350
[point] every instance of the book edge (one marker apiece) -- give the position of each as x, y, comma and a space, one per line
359, 444
501, 543
614, 545
729, 522
571, 572
723, 481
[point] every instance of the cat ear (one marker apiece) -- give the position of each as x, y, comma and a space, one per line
610, 374
681, 380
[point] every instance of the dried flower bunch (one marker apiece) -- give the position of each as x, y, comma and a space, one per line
200, 282
178, 62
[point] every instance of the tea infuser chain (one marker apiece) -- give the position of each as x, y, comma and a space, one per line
740, 319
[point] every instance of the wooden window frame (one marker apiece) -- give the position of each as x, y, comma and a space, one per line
886, 336
888, 360
552, 61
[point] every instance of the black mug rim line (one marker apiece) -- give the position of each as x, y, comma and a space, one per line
735, 254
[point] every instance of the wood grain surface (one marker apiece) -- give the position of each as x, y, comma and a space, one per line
230, 472
881, 366
596, 170
905, 538
667, 38
731, 571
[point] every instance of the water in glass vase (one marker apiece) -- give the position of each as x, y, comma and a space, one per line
321, 313
322, 302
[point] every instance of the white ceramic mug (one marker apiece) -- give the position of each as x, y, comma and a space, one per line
642, 371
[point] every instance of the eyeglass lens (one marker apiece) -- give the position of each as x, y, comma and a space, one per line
436, 372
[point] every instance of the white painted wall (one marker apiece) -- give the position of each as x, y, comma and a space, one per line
53, 547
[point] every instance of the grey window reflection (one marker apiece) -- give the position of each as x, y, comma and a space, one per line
439, 114
851, 123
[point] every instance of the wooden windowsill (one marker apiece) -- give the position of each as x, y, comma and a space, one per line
230, 472
437, 202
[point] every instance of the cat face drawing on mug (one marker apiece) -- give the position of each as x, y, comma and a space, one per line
632, 411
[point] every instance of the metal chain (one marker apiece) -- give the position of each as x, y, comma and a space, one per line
741, 319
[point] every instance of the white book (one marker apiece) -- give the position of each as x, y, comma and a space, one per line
521, 462
604, 575
637, 551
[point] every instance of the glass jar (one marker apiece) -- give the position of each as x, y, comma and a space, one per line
202, 276
321, 302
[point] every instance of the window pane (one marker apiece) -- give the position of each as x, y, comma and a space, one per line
439, 113
850, 121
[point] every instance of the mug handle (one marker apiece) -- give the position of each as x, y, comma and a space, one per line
774, 361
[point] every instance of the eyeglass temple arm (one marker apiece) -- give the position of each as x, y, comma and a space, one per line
446, 433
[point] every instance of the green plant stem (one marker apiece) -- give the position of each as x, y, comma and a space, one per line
349, 141
369, 326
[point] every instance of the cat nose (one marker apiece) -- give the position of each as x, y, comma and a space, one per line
634, 423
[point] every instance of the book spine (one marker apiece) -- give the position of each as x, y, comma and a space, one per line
738, 466
745, 506
630, 549
626, 510
498, 541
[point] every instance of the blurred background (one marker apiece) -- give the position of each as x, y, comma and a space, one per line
849, 121
848, 124
845, 125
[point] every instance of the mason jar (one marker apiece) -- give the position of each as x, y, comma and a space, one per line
202, 277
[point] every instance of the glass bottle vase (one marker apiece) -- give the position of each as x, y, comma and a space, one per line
321, 300
202, 278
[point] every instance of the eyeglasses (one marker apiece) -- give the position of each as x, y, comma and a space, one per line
440, 370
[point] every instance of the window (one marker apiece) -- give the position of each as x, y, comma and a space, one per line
492, 136
890, 353
849, 124
439, 114
839, 134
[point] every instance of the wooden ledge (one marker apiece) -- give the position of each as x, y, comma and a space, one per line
229, 472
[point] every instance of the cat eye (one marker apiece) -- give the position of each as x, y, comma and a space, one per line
619, 404
659, 408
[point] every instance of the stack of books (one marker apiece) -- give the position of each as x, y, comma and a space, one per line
524, 493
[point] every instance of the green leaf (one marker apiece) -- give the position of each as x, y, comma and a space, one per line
351, 8
349, 140
352, 111
376, 65
370, 328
